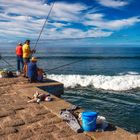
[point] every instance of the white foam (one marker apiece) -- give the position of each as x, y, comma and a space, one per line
130, 73
116, 83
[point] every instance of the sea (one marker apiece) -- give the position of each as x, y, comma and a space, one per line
105, 79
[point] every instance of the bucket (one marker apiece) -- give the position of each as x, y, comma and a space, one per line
89, 121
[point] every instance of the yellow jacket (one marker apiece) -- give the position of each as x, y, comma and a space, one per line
26, 51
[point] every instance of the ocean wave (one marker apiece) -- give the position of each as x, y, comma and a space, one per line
89, 57
115, 83
130, 73
77, 57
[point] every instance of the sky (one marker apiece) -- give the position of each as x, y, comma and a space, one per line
85, 21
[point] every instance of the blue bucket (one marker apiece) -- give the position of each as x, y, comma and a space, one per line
89, 121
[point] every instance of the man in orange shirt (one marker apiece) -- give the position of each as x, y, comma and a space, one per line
19, 54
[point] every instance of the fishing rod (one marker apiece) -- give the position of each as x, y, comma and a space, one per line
44, 25
1, 58
48, 70
40, 36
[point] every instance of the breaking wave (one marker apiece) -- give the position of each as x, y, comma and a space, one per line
115, 83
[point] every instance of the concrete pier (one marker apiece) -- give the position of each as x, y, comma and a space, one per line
32, 121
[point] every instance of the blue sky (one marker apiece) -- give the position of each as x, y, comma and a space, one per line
89, 21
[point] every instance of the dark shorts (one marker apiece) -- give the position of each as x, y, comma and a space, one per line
26, 60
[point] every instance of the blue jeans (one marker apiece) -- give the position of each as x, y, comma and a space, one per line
19, 61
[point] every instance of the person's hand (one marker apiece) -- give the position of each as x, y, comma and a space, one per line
33, 51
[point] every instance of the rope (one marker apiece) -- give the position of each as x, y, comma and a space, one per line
65, 65
44, 25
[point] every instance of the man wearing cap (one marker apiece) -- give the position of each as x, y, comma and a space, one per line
19, 54
26, 51
26, 55
32, 70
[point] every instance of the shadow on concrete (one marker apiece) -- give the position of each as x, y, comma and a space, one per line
110, 127
48, 81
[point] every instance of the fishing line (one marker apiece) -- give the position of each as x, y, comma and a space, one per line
1, 58
65, 65
44, 25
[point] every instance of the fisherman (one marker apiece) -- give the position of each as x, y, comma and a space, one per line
26, 55
32, 70
19, 54
26, 51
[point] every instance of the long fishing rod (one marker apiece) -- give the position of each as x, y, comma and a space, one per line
65, 65
44, 24
1, 58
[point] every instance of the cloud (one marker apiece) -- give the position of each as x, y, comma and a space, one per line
25, 7
99, 21
24, 19
113, 3
67, 12
75, 33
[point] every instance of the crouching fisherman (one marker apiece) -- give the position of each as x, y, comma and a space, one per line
34, 73
32, 70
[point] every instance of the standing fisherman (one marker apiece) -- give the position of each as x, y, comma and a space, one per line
26, 55
26, 51
19, 54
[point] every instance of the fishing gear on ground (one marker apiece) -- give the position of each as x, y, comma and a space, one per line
5, 73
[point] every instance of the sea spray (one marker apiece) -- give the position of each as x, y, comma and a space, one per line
116, 83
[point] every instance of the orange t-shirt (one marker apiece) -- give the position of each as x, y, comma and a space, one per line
19, 51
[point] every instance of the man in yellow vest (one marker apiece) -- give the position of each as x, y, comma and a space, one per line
26, 55
26, 51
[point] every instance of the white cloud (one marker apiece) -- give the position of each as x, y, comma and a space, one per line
25, 7
99, 21
67, 12
25, 24
75, 33
21, 19
113, 3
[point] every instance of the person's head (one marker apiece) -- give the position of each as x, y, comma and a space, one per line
33, 59
27, 42
20, 44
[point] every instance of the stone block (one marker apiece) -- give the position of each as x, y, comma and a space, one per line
67, 138
22, 135
14, 123
50, 115
81, 136
66, 132
42, 112
8, 130
44, 137
6, 113
46, 129
34, 119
